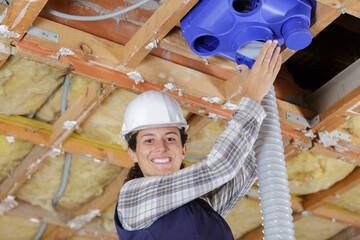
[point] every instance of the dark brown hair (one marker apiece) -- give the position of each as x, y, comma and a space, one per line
135, 171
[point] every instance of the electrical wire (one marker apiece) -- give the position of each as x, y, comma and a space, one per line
67, 159
95, 18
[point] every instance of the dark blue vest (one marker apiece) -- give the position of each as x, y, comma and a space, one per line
195, 220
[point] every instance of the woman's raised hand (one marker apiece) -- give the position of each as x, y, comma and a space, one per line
261, 77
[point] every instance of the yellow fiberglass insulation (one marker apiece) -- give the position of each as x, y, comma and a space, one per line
17, 228
39, 79
205, 138
353, 125
87, 179
310, 173
12, 151
350, 200
244, 217
108, 218
315, 228
106, 122
51, 110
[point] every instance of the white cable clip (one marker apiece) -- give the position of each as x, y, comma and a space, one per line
338, 5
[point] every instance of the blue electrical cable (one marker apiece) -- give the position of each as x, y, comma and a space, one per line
95, 18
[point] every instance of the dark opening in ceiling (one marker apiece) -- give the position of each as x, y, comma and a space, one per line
334, 49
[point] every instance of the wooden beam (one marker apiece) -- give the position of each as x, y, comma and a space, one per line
24, 171
155, 28
39, 133
19, 16
284, 108
349, 233
255, 234
79, 111
346, 6
60, 233
340, 215
330, 152
340, 112
5, 49
94, 229
196, 123
315, 200
296, 147
108, 197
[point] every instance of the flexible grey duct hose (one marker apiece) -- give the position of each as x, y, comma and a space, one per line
273, 185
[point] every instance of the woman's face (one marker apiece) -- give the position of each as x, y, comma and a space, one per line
158, 151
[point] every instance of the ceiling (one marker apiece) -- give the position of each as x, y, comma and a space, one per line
108, 65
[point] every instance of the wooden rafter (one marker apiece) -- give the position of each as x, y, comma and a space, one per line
93, 229
349, 233
255, 234
347, 6
39, 133
108, 197
5, 49
339, 112
24, 171
330, 152
79, 111
196, 123
316, 200
340, 215
20, 15
155, 28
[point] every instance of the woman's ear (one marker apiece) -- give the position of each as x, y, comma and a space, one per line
132, 155
184, 151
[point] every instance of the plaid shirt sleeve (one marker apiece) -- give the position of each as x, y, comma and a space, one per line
144, 200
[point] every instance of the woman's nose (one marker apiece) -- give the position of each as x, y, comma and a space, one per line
161, 146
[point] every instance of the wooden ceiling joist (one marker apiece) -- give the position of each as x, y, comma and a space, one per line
5, 50
316, 200
39, 133
24, 171
154, 29
346, 6
108, 197
20, 14
196, 123
85, 104
336, 214
93, 229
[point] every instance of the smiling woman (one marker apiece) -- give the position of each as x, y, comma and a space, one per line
167, 202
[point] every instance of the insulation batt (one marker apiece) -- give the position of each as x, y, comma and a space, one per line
87, 180
315, 228
310, 173
40, 81
17, 228
106, 122
51, 110
206, 138
11, 155
108, 218
245, 214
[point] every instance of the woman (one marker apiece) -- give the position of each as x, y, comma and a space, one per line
169, 203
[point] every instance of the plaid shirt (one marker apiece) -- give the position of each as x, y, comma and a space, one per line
229, 168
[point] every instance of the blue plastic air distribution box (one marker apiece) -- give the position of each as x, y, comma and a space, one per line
237, 29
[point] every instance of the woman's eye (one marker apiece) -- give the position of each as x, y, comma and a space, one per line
170, 139
149, 141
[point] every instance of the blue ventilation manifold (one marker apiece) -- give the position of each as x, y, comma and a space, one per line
224, 27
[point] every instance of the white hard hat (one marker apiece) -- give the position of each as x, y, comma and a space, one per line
152, 109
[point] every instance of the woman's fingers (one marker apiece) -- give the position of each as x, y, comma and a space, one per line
262, 53
269, 52
244, 68
274, 59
